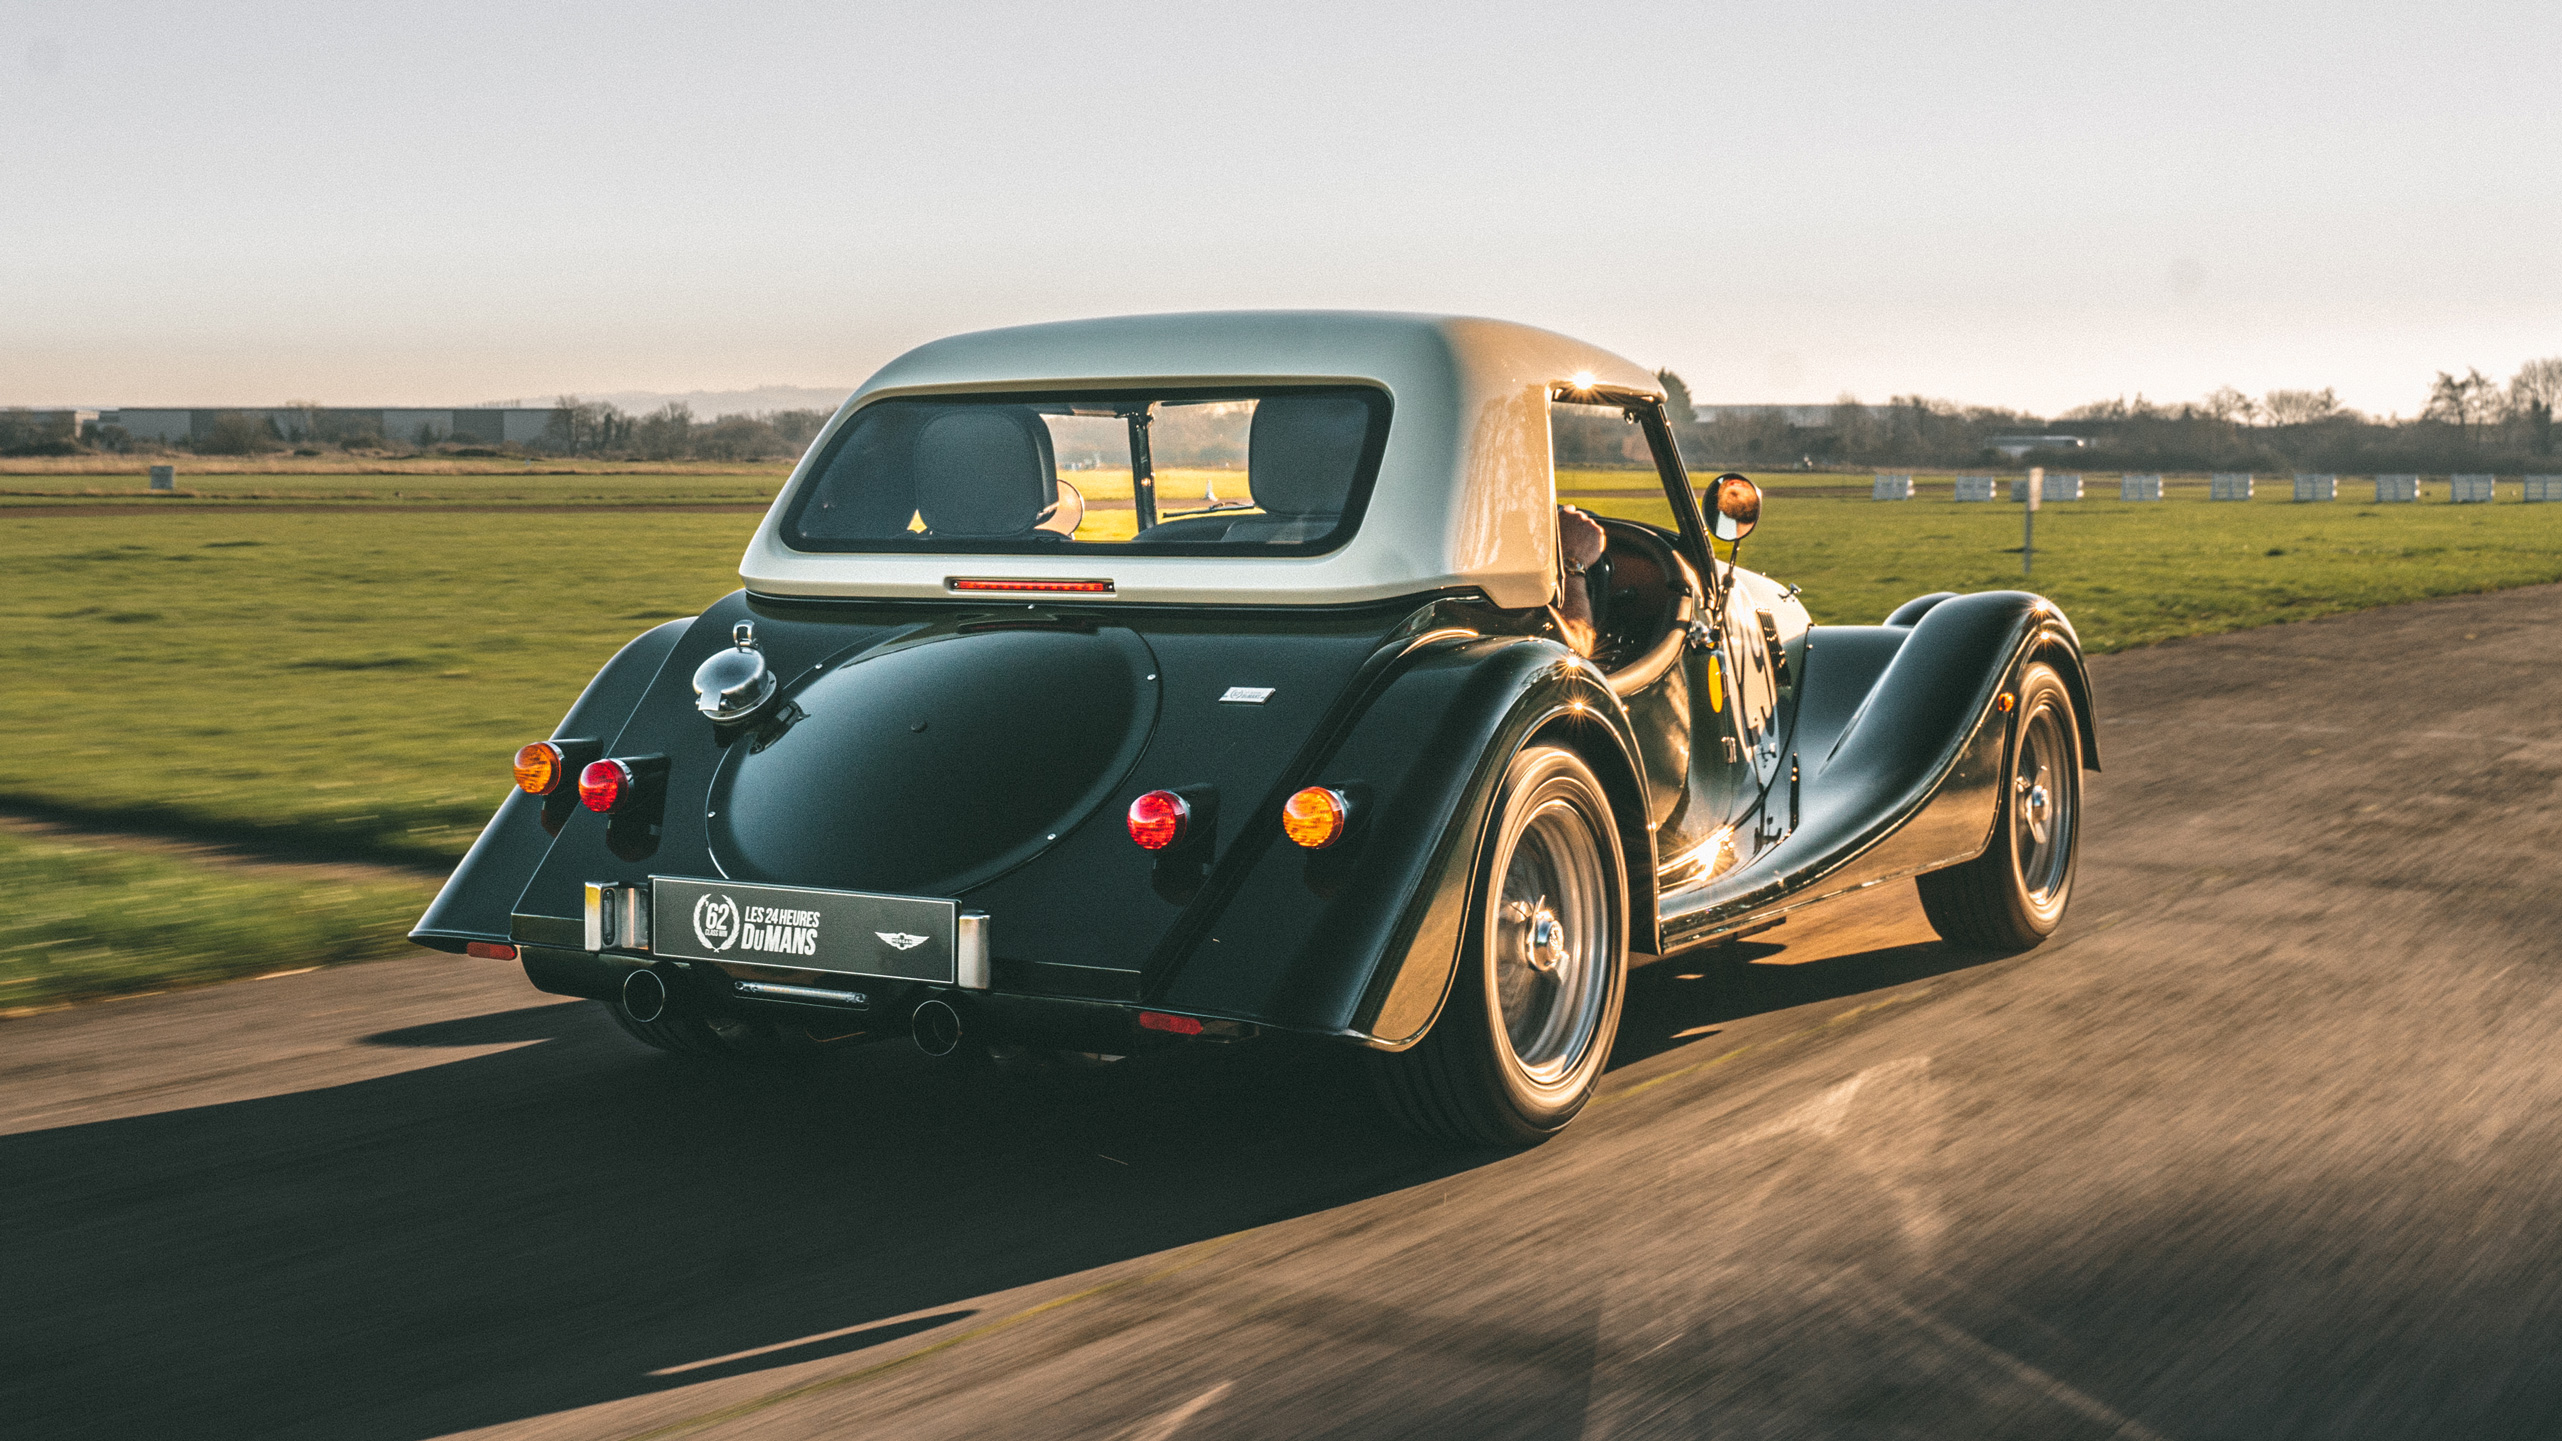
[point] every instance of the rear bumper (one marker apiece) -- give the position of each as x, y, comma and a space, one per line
884, 1006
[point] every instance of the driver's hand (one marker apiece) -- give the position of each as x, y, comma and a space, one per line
1579, 535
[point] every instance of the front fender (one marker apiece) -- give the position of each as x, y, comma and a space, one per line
481, 893
1361, 940
1907, 784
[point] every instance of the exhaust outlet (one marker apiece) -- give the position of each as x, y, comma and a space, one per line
937, 1028
644, 996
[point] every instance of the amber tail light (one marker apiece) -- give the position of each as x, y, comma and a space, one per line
540, 768
1316, 817
551, 767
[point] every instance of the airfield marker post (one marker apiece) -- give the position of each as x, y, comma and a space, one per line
2028, 516
164, 477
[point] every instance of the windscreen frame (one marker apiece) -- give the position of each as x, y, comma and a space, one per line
1366, 467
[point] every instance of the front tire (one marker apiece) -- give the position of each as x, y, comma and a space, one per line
1521, 1043
2012, 896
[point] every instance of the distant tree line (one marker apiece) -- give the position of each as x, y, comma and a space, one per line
23, 433
671, 432
592, 428
2471, 422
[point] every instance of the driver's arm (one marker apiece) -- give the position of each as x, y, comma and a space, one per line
1579, 543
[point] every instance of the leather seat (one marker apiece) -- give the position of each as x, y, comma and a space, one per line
1302, 453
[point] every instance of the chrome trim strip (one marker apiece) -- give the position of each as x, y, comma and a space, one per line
631, 918
971, 968
775, 991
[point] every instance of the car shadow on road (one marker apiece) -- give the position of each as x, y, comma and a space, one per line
576, 1220
1691, 998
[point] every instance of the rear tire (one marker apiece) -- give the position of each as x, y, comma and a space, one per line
2012, 896
1521, 1043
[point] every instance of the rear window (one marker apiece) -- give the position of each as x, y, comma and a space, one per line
1271, 471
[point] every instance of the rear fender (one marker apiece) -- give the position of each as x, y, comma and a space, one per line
481, 893
1361, 940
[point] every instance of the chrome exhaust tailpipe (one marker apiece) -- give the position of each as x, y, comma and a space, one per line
644, 996
937, 1028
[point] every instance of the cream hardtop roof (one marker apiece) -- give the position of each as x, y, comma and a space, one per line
1463, 498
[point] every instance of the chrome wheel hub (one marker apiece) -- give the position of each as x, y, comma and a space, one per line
2036, 808
1552, 943
1544, 947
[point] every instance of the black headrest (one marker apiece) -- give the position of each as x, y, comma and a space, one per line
984, 470
1302, 452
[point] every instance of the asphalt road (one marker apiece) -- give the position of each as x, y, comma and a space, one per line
2263, 1144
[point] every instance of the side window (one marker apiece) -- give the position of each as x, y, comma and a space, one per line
1604, 463
1597, 449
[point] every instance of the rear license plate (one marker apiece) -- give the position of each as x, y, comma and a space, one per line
852, 933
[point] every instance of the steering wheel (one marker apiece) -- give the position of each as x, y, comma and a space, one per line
1636, 647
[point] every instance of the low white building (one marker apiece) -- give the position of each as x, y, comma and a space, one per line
471, 425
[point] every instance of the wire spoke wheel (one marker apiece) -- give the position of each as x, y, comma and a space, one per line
1522, 1040
2013, 895
1551, 942
2042, 806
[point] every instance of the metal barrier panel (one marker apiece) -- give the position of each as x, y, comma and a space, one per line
2471, 489
2544, 487
1974, 487
2317, 487
2228, 486
1892, 487
2139, 487
2397, 489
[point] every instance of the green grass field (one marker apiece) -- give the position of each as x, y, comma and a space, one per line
425, 490
86, 919
351, 685
2133, 573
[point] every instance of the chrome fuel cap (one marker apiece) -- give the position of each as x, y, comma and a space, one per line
736, 683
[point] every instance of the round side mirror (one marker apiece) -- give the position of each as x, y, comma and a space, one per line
1734, 507
1064, 516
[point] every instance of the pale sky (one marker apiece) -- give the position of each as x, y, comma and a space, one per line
2031, 205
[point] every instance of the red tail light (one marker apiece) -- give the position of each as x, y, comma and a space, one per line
603, 784
1029, 587
490, 951
540, 768
1157, 820
1171, 1024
